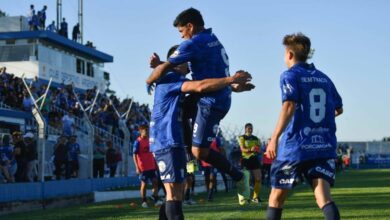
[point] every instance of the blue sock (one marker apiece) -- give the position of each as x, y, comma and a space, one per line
220, 162
331, 212
161, 213
174, 210
274, 213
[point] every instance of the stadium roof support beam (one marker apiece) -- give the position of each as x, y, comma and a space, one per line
126, 132
91, 136
41, 131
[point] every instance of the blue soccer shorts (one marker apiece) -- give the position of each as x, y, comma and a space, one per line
285, 174
206, 125
171, 163
147, 175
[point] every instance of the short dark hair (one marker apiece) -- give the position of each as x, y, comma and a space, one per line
299, 44
248, 124
190, 15
172, 50
143, 127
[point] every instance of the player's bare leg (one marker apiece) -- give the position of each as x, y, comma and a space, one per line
275, 203
321, 189
157, 202
210, 186
257, 186
143, 194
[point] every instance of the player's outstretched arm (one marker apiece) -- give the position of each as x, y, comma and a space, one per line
158, 72
287, 112
214, 84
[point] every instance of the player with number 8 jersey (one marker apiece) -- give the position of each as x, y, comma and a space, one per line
307, 125
312, 133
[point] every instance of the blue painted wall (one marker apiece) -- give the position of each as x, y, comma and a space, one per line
62, 188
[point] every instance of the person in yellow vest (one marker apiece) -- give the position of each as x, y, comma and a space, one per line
250, 148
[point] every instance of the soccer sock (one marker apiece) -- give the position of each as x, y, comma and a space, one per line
161, 213
273, 213
155, 198
187, 196
143, 199
256, 190
331, 212
174, 211
220, 162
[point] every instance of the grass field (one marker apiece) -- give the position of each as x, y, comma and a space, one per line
362, 194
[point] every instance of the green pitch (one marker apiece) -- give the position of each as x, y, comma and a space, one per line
362, 194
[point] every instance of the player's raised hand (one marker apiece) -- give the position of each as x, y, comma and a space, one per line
241, 77
272, 148
154, 60
150, 88
242, 87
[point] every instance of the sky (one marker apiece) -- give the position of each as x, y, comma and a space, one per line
350, 39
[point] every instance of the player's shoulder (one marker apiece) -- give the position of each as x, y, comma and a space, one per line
290, 73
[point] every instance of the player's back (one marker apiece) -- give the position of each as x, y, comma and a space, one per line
312, 131
207, 59
211, 60
166, 125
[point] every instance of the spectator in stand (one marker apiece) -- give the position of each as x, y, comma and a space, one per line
73, 156
30, 15
266, 168
76, 32
111, 158
52, 27
145, 165
64, 28
61, 157
42, 18
20, 156
31, 156
35, 21
28, 102
7, 160
98, 157
68, 123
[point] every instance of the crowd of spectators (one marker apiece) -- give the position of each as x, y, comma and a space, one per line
18, 158
37, 21
63, 106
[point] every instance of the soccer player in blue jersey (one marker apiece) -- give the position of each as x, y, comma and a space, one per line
207, 59
308, 129
166, 135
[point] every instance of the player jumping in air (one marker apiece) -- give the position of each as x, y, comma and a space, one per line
208, 59
307, 121
166, 136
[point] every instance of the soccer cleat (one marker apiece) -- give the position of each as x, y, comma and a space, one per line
241, 200
243, 190
256, 200
145, 205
